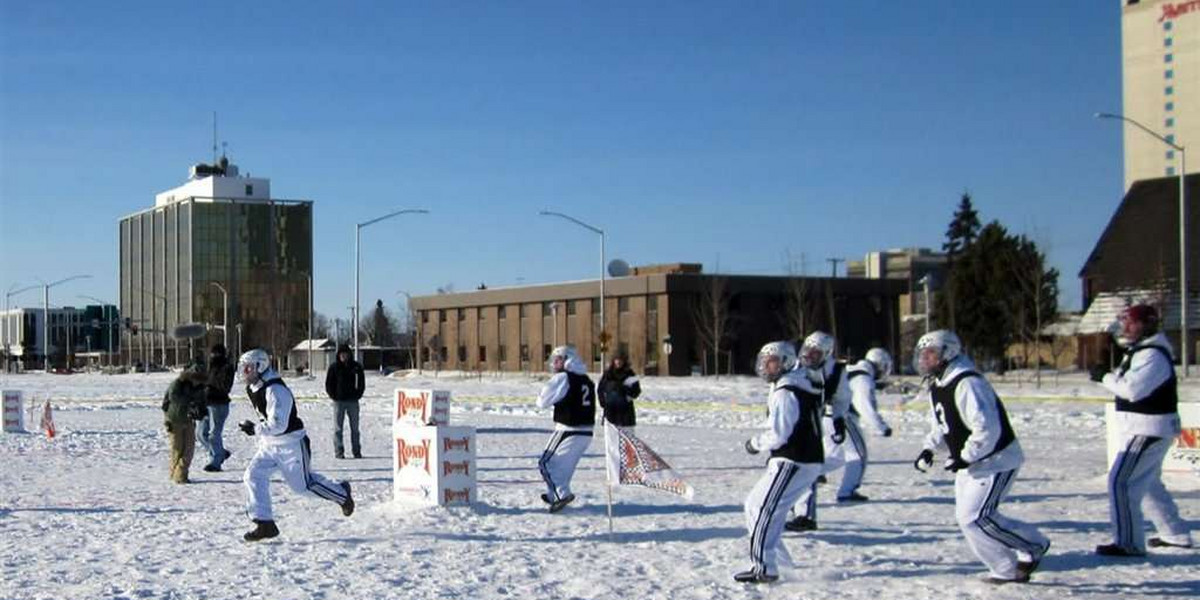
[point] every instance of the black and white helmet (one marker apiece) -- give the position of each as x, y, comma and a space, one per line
253, 363
948, 348
784, 351
882, 361
816, 349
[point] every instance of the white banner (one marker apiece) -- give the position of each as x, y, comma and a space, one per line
632, 462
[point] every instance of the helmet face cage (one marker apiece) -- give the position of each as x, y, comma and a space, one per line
784, 351
882, 361
1144, 315
816, 349
946, 344
252, 364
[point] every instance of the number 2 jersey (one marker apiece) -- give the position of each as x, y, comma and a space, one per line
573, 396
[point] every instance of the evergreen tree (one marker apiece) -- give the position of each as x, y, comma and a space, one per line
379, 327
963, 229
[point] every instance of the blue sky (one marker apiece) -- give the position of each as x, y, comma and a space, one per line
732, 134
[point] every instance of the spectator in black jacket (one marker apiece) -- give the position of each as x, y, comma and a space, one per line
345, 384
210, 429
618, 387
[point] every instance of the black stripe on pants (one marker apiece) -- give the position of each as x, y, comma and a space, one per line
758, 537
1119, 489
314, 487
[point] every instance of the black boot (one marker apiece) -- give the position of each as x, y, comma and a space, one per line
801, 523
262, 530
348, 505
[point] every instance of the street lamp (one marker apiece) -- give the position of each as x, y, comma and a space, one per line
358, 263
9, 294
309, 280
224, 313
924, 281
46, 317
108, 324
1183, 291
603, 332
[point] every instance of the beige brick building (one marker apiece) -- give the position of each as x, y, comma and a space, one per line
514, 329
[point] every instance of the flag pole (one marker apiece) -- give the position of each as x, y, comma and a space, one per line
607, 471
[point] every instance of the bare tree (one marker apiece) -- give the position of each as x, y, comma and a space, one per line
799, 316
322, 326
711, 313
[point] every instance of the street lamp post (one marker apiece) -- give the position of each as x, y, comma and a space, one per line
1183, 290
600, 232
46, 316
7, 330
358, 262
224, 313
108, 324
309, 280
924, 281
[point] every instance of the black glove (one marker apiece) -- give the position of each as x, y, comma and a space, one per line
839, 430
954, 465
924, 458
168, 424
247, 427
887, 432
750, 447
1097, 372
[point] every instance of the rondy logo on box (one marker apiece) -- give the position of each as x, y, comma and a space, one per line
416, 455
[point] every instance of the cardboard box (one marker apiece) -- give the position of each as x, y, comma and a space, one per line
14, 413
434, 465
1184, 455
421, 407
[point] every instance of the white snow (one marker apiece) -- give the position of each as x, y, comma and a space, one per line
92, 514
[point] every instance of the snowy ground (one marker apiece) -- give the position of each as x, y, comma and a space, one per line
91, 514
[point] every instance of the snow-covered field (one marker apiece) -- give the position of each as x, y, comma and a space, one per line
91, 513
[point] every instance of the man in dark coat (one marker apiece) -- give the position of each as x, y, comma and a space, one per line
345, 384
210, 429
617, 389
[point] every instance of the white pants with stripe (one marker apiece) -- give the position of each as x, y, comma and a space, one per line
851, 454
292, 459
997, 540
767, 507
1134, 481
558, 461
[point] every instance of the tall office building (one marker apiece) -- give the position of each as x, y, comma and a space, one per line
1160, 49
220, 233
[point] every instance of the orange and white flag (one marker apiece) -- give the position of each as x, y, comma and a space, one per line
47, 423
632, 462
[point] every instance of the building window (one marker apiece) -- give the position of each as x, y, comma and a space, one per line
623, 304
524, 310
1168, 57
424, 316
546, 350
1167, 25
652, 303
571, 307
462, 314
546, 309
501, 313
1170, 106
483, 354
524, 352
1170, 154
442, 316
623, 349
1170, 90
1170, 171
1169, 74
502, 353
1171, 138
443, 354
595, 306
1170, 122
462, 354
249, 190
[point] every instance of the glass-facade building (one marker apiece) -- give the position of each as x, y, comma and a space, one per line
175, 255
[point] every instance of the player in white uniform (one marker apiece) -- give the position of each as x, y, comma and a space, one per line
862, 378
282, 446
969, 421
1147, 419
828, 375
573, 395
793, 440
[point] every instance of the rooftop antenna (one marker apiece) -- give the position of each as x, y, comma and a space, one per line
214, 161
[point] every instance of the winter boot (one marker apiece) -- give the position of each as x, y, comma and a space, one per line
852, 497
561, 503
801, 523
1115, 550
753, 576
1025, 568
348, 505
262, 530
1163, 542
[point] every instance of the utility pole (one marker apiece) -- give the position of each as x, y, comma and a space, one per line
834, 263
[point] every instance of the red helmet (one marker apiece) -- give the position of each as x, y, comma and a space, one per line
1142, 313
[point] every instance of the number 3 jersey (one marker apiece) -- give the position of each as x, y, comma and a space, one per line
573, 396
969, 420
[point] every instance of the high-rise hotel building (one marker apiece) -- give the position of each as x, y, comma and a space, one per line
218, 237
1160, 48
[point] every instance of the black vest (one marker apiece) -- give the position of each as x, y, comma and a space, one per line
951, 422
259, 400
829, 386
1164, 400
578, 407
804, 444
851, 375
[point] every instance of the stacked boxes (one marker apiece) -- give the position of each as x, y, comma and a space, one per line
434, 463
14, 417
